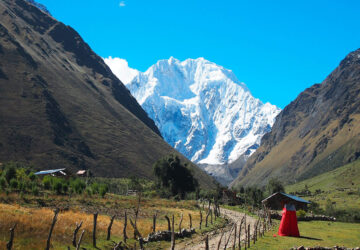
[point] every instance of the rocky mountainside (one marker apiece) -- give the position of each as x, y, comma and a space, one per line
61, 106
202, 110
317, 132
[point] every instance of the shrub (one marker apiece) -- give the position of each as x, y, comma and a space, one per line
95, 188
2, 182
14, 183
78, 186
65, 187
47, 182
10, 173
21, 185
57, 186
88, 191
103, 189
300, 213
32, 176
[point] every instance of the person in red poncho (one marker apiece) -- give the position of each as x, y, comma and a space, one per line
288, 224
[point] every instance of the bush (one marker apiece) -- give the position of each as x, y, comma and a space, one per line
57, 187
10, 173
32, 176
300, 213
21, 185
2, 182
14, 183
78, 186
47, 182
65, 187
103, 189
95, 188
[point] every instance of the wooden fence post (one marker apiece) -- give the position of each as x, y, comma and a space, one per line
78, 226
137, 233
154, 222
248, 231
234, 244
172, 234
254, 233
168, 221
79, 243
109, 227
56, 212
190, 221
242, 220
219, 243
94, 229
246, 234
228, 239
181, 219
207, 216
207, 242
125, 225
10, 243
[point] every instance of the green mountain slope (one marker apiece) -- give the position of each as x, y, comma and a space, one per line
341, 185
61, 106
316, 133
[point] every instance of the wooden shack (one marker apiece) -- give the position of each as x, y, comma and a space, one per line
277, 201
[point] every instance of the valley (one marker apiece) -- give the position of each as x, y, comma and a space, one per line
177, 153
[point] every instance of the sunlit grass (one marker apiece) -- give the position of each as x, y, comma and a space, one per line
314, 233
33, 223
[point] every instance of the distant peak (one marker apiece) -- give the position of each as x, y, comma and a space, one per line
172, 60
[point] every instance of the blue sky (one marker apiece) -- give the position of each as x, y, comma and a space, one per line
277, 48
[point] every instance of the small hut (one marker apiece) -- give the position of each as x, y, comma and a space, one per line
289, 203
277, 201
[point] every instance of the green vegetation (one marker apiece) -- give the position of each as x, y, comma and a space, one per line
335, 193
15, 177
173, 177
313, 233
254, 195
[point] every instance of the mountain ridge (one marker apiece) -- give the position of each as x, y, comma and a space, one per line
315, 133
61, 106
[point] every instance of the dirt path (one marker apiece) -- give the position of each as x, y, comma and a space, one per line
214, 236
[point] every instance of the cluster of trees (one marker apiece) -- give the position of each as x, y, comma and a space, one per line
174, 178
254, 195
19, 178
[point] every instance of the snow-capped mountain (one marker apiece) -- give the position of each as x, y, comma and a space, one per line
201, 109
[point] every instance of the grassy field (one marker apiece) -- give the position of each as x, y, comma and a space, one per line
314, 233
341, 186
33, 216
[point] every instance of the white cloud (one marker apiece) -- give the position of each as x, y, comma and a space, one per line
122, 4
121, 69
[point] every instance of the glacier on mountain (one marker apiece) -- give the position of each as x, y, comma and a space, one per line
202, 110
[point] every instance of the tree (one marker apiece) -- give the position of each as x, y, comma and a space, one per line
174, 176
274, 185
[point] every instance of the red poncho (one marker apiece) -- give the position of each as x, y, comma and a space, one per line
288, 224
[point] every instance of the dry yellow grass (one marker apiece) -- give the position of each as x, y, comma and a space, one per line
33, 223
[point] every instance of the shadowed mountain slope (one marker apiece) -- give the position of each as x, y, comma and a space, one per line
61, 106
316, 133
